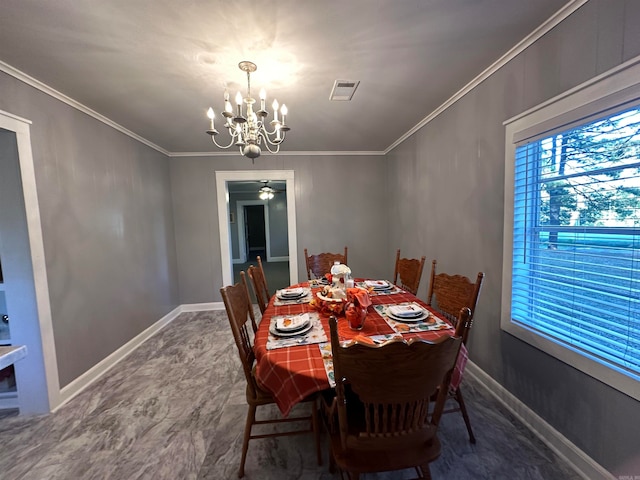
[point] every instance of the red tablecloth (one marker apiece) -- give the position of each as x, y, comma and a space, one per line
293, 373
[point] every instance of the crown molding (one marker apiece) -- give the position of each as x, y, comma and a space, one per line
44, 88
529, 40
280, 154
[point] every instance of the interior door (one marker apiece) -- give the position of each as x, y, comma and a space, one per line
256, 239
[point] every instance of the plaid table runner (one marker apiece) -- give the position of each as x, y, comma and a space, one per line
295, 372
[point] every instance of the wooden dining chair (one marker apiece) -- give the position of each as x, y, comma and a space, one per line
321, 263
448, 294
243, 325
383, 393
408, 273
259, 286
264, 276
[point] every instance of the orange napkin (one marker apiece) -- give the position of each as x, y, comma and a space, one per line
358, 296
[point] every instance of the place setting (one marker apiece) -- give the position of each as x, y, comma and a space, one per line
292, 330
380, 287
292, 296
410, 317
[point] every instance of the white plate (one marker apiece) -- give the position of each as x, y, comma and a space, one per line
277, 333
406, 311
422, 317
291, 292
328, 299
288, 323
378, 284
282, 295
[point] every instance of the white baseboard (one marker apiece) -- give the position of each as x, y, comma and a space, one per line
90, 376
584, 465
278, 259
201, 307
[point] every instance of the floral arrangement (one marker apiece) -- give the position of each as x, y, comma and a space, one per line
328, 307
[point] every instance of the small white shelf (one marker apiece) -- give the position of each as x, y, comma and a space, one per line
10, 355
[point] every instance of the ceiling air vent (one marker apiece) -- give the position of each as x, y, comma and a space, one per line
343, 90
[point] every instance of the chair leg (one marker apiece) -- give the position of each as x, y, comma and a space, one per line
332, 463
251, 417
465, 415
315, 424
425, 471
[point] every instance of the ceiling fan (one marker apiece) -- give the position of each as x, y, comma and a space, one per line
266, 192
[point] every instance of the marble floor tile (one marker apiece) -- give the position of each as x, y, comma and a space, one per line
175, 409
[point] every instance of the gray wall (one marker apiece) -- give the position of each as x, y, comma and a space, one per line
339, 200
107, 225
448, 181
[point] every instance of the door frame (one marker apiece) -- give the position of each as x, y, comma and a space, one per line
242, 251
37, 373
222, 193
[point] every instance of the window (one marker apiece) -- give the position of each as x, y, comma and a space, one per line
573, 274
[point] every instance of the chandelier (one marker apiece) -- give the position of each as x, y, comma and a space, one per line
247, 128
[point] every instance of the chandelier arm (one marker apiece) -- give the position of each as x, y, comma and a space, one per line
213, 139
268, 132
266, 144
269, 141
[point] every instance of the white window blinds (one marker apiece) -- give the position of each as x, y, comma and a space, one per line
576, 238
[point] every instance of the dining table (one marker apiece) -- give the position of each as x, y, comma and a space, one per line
297, 366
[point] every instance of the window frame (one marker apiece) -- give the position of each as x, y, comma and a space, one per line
608, 91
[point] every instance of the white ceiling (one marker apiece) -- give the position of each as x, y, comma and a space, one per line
155, 66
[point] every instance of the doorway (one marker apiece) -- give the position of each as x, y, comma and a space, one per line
24, 284
223, 179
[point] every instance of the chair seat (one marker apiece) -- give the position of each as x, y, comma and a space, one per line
262, 397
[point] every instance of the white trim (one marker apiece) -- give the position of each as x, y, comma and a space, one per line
584, 465
612, 82
240, 225
222, 192
201, 307
278, 259
529, 40
79, 384
21, 128
280, 154
38, 85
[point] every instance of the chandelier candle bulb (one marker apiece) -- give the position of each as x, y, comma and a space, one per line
275, 106
239, 103
263, 98
283, 111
